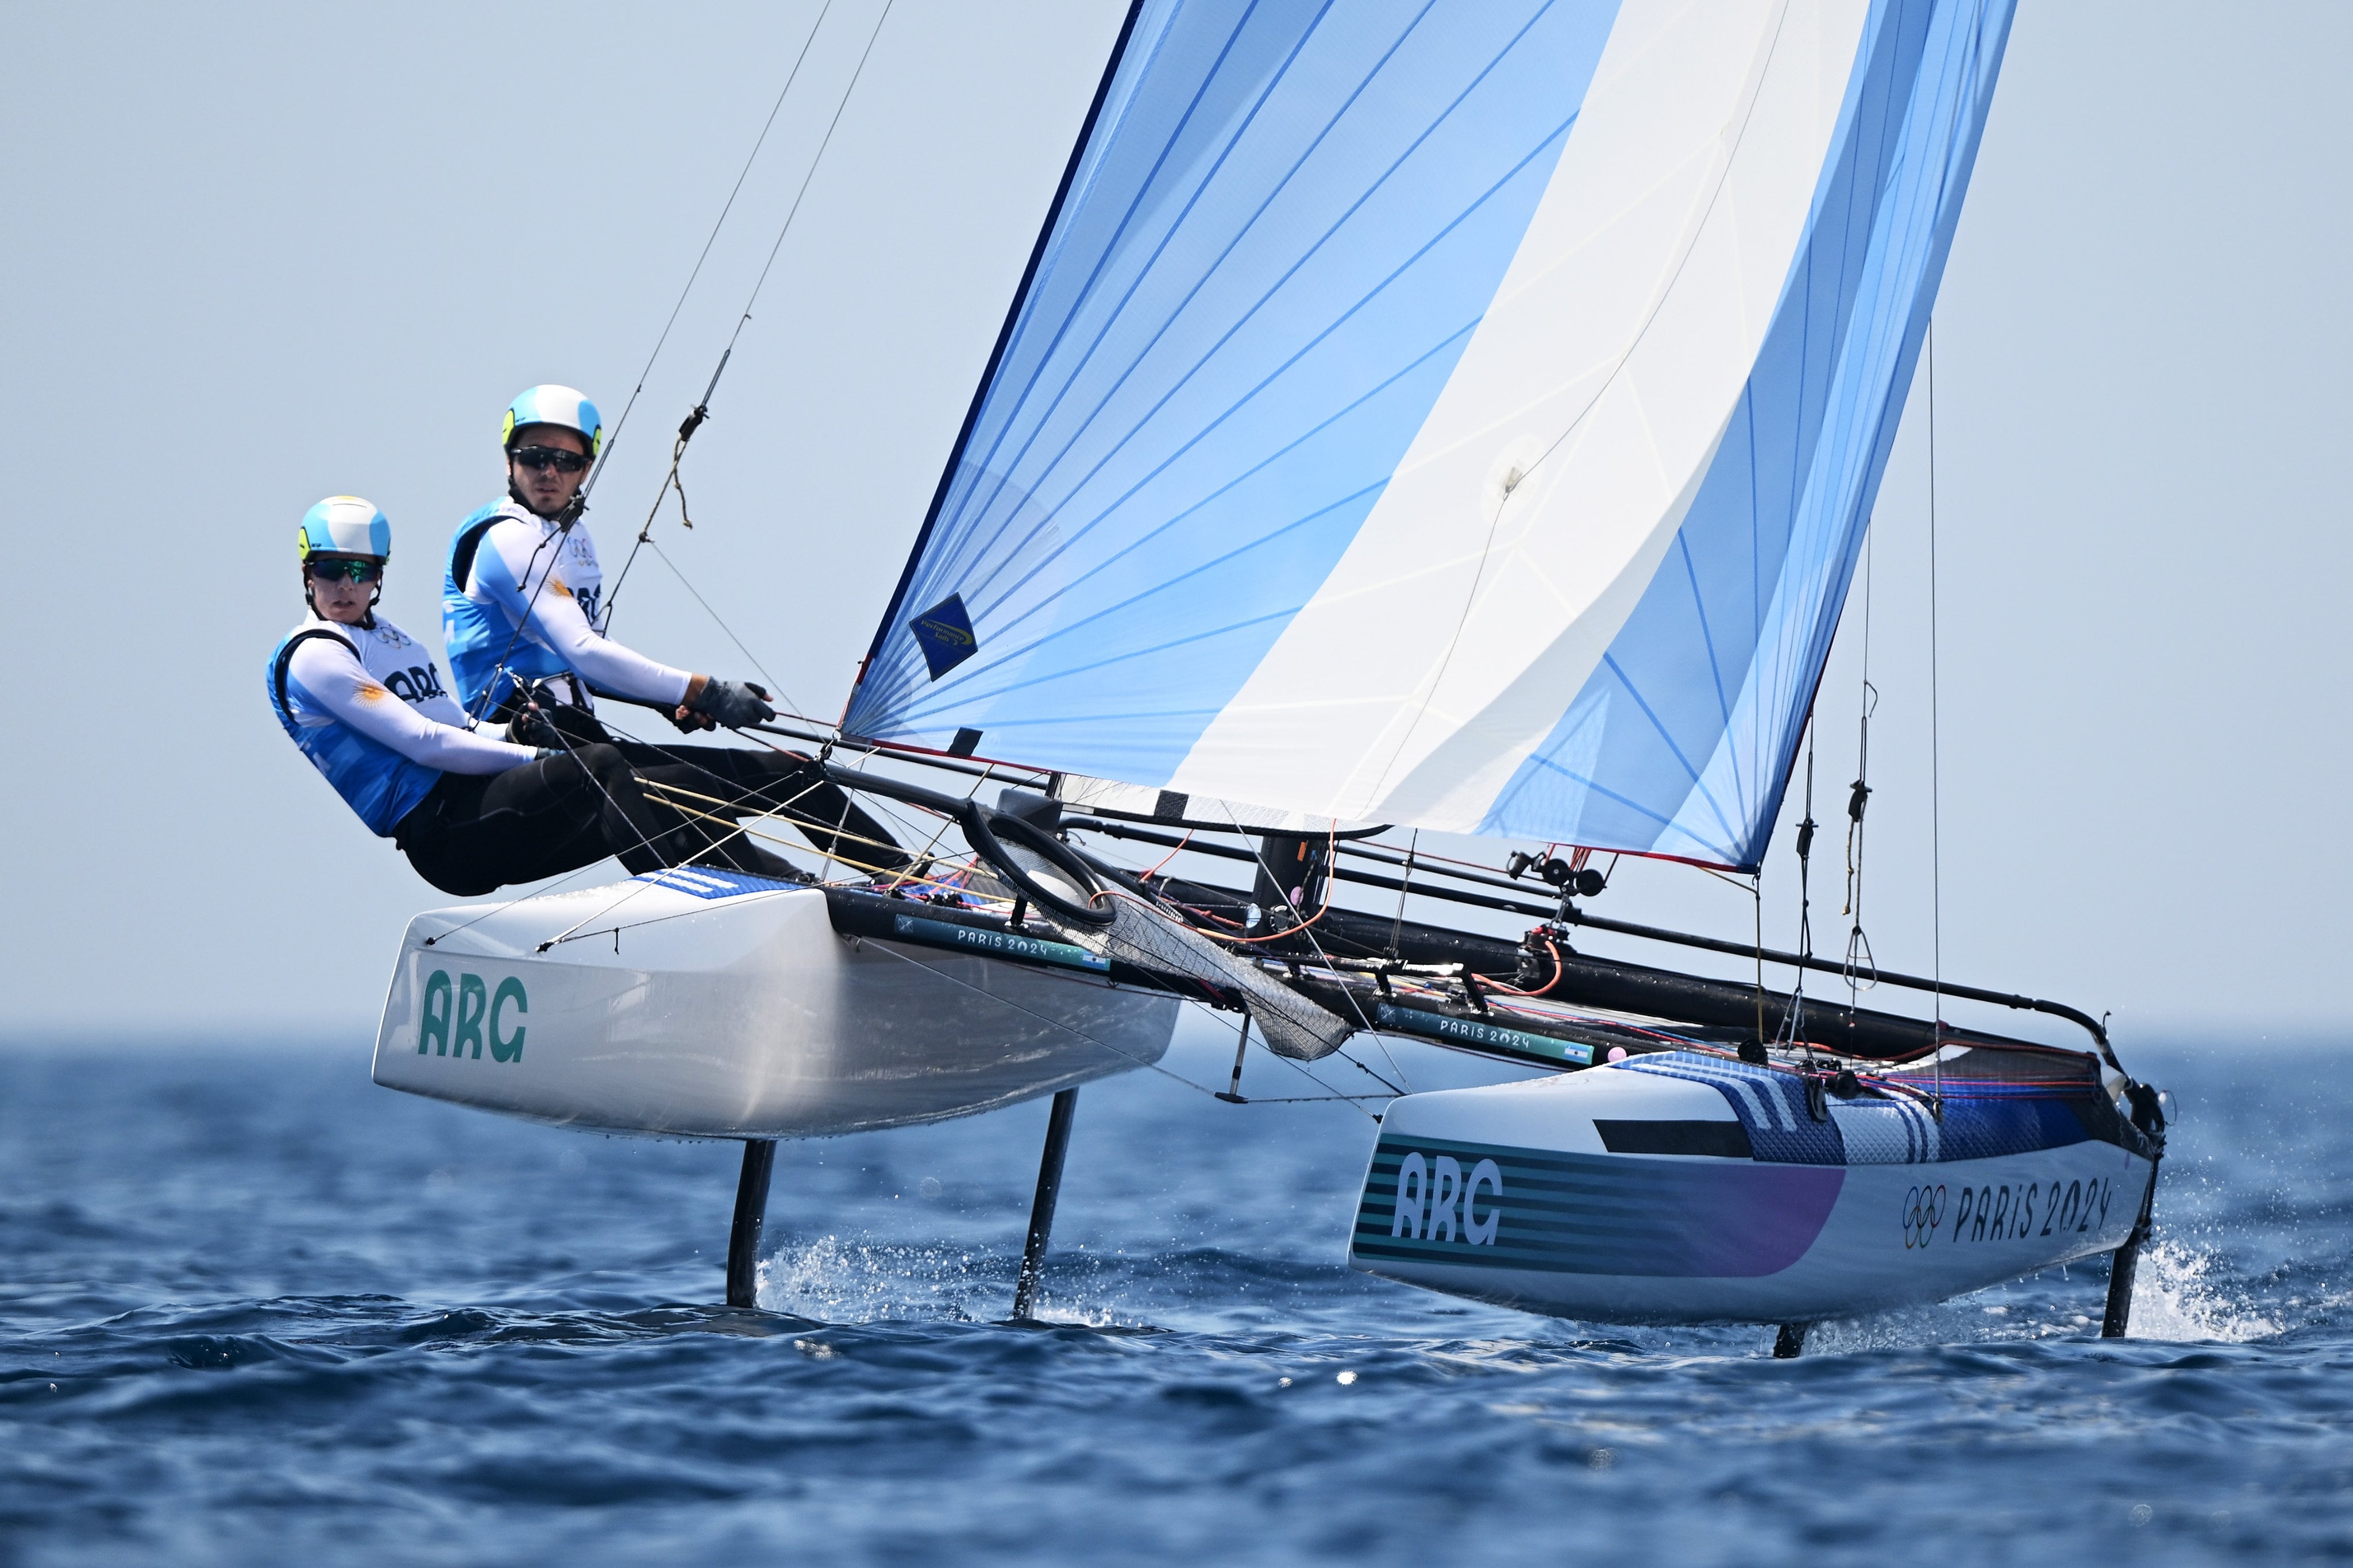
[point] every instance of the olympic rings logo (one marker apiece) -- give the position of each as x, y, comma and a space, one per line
1924, 1211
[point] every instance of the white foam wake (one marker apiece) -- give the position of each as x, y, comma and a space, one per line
2178, 1295
838, 1281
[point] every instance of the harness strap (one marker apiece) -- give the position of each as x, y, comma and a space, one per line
286, 660
470, 541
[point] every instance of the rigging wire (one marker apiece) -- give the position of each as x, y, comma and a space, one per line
704, 256
1397, 944
1859, 957
794, 211
1756, 896
1258, 856
1935, 757
1792, 1026
701, 410
720, 621
612, 444
1404, 886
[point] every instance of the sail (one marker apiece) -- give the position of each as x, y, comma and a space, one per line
1461, 412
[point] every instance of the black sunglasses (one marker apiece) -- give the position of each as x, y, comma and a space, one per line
336, 571
554, 457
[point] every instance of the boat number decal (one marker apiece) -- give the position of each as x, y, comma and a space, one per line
2007, 1212
457, 1027
1436, 1202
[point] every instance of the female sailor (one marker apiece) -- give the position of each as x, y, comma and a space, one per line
471, 810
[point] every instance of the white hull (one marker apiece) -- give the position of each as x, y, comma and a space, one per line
709, 1005
1558, 1222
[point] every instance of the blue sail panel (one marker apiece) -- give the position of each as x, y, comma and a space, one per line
1287, 222
1682, 741
1463, 414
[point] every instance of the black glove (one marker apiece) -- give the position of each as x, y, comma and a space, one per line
532, 727
732, 703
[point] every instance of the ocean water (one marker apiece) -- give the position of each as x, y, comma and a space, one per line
254, 1310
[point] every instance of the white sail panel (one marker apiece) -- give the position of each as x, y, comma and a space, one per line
1602, 374
1458, 414
1682, 742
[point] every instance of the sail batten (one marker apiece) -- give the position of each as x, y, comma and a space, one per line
1455, 413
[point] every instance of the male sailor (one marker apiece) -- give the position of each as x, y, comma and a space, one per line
471, 810
521, 607
523, 613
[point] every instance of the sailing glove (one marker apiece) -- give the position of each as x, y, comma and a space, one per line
532, 727
733, 703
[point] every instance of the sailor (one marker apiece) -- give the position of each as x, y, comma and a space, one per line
472, 810
523, 611
522, 608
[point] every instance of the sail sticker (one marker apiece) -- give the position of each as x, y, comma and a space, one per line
999, 943
944, 634
1466, 1031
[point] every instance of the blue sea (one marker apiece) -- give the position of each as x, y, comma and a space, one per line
255, 1310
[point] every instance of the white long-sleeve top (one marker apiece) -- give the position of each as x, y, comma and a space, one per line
381, 682
527, 572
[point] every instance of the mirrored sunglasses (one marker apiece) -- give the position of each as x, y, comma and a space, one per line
554, 457
336, 571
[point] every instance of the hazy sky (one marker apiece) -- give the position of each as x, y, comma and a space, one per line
258, 255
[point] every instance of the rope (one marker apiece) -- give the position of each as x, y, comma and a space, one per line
1756, 900
1404, 886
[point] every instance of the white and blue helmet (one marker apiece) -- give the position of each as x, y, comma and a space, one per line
344, 525
555, 405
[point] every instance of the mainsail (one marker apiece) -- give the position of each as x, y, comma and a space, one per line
1455, 412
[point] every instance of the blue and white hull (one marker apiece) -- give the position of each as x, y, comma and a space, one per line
1686, 1188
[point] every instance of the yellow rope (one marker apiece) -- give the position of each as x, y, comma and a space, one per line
906, 880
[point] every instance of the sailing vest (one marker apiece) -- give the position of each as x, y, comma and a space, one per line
375, 781
484, 599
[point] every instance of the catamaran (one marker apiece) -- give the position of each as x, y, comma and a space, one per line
1414, 418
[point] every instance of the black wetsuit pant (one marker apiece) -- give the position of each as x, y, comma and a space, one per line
651, 806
